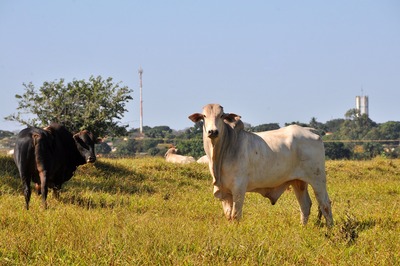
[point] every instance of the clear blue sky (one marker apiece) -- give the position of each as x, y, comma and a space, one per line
268, 61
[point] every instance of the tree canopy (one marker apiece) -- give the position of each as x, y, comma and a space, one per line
265, 127
95, 105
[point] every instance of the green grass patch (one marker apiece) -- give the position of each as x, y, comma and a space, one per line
148, 212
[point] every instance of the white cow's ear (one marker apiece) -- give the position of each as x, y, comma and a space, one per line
196, 117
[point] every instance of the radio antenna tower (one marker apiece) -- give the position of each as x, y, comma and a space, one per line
140, 71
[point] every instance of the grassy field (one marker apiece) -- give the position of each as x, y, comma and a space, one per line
148, 212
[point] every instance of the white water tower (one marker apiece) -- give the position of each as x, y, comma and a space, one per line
362, 104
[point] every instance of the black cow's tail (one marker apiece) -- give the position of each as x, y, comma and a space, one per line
40, 151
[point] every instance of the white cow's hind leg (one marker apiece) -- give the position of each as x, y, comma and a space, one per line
324, 203
301, 192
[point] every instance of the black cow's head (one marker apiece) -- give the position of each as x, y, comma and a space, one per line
85, 143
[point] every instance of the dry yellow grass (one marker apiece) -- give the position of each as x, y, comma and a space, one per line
148, 212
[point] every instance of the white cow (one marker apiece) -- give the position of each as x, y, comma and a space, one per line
266, 162
203, 159
172, 157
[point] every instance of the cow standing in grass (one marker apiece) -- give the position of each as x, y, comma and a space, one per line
203, 159
266, 162
172, 157
49, 157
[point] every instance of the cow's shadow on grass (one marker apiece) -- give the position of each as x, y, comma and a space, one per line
105, 185
10, 181
108, 178
102, 185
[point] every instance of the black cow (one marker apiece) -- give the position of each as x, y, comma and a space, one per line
49, 157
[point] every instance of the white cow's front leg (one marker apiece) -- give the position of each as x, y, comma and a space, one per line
227, 205
238, 200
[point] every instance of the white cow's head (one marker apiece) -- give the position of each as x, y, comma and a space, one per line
215, 120
171, 150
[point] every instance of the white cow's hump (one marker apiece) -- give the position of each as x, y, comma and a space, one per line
290, 132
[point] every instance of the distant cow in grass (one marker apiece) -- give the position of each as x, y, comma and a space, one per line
49, 157
203, 159
172, 157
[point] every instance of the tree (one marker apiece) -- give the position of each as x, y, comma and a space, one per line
356, 126
158, 132
5, 134
320, 127
103, 148
126, 148
296, 123
193, 147
336, 150
334, 125
96, 105
265, 127
386, 131
195, 132
147, 144
372, 150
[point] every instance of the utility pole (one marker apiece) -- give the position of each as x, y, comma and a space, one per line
141, 100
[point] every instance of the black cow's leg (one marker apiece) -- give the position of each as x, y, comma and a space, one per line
27, 191
37, 188
44, 188
56, 191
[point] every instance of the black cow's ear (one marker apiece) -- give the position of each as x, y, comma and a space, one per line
233, 121
196, 117
231, 118
76, 136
